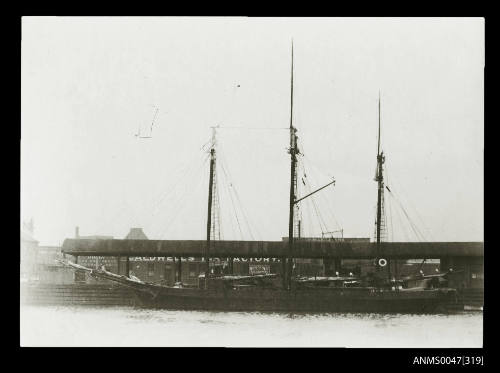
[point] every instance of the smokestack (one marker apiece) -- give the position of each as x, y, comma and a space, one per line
77, 232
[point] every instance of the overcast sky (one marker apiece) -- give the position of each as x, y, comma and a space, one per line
89, 85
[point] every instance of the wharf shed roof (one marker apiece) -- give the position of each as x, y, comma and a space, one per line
272, 249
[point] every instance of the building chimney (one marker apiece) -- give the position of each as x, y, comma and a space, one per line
77, 232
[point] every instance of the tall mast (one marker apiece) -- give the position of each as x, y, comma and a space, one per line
209, 213
380, 189
379, 181
293, 161
378, 147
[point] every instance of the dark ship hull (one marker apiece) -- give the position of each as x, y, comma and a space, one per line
300, 300
227, 296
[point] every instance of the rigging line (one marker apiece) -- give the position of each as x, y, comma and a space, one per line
423, 238
240, 204
308, 187
416, 230
315, 174
225, 187
374, 213
155, 204
406, 225
120, 213
176, 206
163, 193
114, 219
403, 229
254, 128
234, 207
310, 202
393, 217
309, 215
164, 226
382, 224
203, 147
316, 168
179, 207
320, 218
189, 173
228, 187
324, 200
417, 214
389, 204
243, 213
330, 210
391, 232
233, 188
219, 212
399, 200
410, 222
307, 207
412, 226
323, 226
215, 208
419, 234
232, 203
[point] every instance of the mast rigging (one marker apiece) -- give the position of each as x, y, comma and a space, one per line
209, 213
287, 262
379, 178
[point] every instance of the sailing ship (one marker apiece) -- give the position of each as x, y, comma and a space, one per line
287, 291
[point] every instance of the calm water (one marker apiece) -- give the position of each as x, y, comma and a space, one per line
124, 326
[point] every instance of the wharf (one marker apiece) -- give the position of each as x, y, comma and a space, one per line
77, 294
